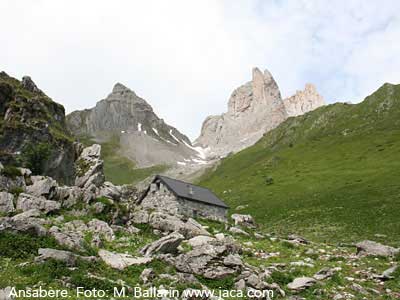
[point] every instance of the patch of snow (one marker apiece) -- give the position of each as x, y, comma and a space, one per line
155, 131
201, 152
181, 163
175, 138
199, 161
145, 131
139, 127
122, 131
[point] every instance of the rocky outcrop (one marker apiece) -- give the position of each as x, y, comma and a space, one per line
143, 136
67, 257
33, 130
6, 202
89, 168
253, 109
373, 248
167, 244
121, 261
303, 101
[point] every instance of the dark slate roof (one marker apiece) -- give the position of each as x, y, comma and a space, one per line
182, 189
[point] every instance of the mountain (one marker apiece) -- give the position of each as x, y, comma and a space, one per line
253, 109
135, 131
33, 130
331, 174
303, 101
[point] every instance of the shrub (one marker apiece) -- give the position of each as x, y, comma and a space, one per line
215, 284
11, 171
35, 156
23, 245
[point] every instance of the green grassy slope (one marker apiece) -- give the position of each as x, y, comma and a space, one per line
117, 168
332, 174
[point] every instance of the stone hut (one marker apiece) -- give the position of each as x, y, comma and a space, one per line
182, 198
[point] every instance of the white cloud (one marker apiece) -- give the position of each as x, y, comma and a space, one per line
186, 57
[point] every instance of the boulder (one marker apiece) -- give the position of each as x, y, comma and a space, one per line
120, 260
324, 273
140, 216
233, 260
218, 272
167, 244
24, 223
6, 202
110, 191
237, 230
168, 223
147, 275
64, 256
70, 239
45, 187
102, 229
301, 283
5, 293
200, 240
243, 220
26, 202
296, 239
388, 274
373, 248
89, 168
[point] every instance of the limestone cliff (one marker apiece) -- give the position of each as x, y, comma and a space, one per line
303, 101
253, 109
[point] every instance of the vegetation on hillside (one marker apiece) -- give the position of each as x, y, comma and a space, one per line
332, 174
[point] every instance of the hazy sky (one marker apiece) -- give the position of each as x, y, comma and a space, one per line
186, 57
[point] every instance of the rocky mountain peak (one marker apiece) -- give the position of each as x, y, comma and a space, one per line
120, 88
29, 85
253, 108
303, 101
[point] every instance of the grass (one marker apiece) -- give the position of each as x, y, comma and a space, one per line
117, 168
335, 173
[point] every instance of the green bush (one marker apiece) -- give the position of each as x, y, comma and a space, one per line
23, 245
35, 156
226, 283
11, 171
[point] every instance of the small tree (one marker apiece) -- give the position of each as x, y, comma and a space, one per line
35, 156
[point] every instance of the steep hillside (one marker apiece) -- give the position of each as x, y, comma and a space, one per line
332, 174
33, 131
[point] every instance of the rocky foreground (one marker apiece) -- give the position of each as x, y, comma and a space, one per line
94, 235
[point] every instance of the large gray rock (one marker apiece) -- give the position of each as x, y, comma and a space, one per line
301, 283
6, 202
200, 240
110, 191
373, 248
167, 244
27, 222
71, 239
45, 187
168, 223
244, 220
64, 256
101, 229
5, 294
121, 261
26, 202
89, 168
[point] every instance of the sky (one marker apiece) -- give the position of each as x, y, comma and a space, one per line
186, 57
